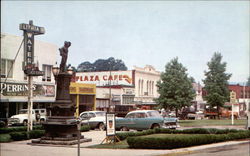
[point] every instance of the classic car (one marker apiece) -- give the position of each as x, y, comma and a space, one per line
38, 116
145, 119
95, 119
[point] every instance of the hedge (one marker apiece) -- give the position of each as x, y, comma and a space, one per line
5, 138
18, 129
17, 136
123, 136
85, 128
178, 141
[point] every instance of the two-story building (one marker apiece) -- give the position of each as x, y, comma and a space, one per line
14, 88
242, 96
131, 87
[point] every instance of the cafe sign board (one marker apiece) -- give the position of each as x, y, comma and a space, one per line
106, 78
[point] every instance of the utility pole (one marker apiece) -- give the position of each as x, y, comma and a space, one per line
30, 103
109, 86
232, 101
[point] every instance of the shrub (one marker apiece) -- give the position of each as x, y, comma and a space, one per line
18, 129
177, 141
5, 138
123, 136
85, 128
36, 134
18, 136
2, 124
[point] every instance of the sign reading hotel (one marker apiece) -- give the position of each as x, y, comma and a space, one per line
106, 78
110, 121
29, 31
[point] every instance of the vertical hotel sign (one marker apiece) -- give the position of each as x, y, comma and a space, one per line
29, 31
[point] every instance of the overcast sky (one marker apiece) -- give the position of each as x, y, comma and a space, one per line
142, 32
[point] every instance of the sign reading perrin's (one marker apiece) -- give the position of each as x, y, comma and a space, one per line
29, 31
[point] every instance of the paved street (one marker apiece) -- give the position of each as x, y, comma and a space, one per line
21, 148
230, 150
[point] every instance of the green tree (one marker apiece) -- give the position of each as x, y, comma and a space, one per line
248, 81
102, 65
175, 87
216, 82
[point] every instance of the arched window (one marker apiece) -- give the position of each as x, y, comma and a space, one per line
147, 87
152, 87
139, 87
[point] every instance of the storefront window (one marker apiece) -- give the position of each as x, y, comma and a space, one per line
6, 68
47, 72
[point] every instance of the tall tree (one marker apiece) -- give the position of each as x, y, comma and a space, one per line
248, 81
175, 87
216, 82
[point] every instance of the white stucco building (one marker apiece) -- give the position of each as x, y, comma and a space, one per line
13, 80
145, 85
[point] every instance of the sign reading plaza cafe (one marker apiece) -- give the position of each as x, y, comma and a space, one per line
105, 78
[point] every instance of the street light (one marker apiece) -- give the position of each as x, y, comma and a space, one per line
70, 71
109, 86
55, 70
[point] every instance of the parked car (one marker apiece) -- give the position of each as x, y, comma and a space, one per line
145, 119
95, 119
38, 116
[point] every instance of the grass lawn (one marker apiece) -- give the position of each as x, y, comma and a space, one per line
119, 145
205, 122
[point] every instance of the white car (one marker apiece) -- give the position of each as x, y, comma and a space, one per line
38, 116
95, 119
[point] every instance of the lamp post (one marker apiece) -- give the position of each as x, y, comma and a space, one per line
55, 71
109, 87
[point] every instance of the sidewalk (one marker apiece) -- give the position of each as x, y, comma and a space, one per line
21, 148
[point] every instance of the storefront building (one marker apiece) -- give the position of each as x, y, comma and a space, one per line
83, 96
131, 87
243, 98
145, 86
14, 88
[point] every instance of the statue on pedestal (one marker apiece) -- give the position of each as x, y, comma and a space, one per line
64, 54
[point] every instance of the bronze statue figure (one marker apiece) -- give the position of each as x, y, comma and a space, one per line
64, 54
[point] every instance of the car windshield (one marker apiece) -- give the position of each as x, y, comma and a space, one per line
154, 114
100, 113
23, 112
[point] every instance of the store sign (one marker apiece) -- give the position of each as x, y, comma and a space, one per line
29, 31
79, 88
21, 89
110, 121
105, 78
233, 97
129, 91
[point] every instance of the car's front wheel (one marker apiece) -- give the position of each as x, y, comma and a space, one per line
42, 121
155, 126
124, 128
25, 122
101, 126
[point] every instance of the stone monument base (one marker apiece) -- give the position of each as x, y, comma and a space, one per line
60, 141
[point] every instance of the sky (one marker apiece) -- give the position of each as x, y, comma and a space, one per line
142, 32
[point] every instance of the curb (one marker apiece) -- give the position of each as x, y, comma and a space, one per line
193, 149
